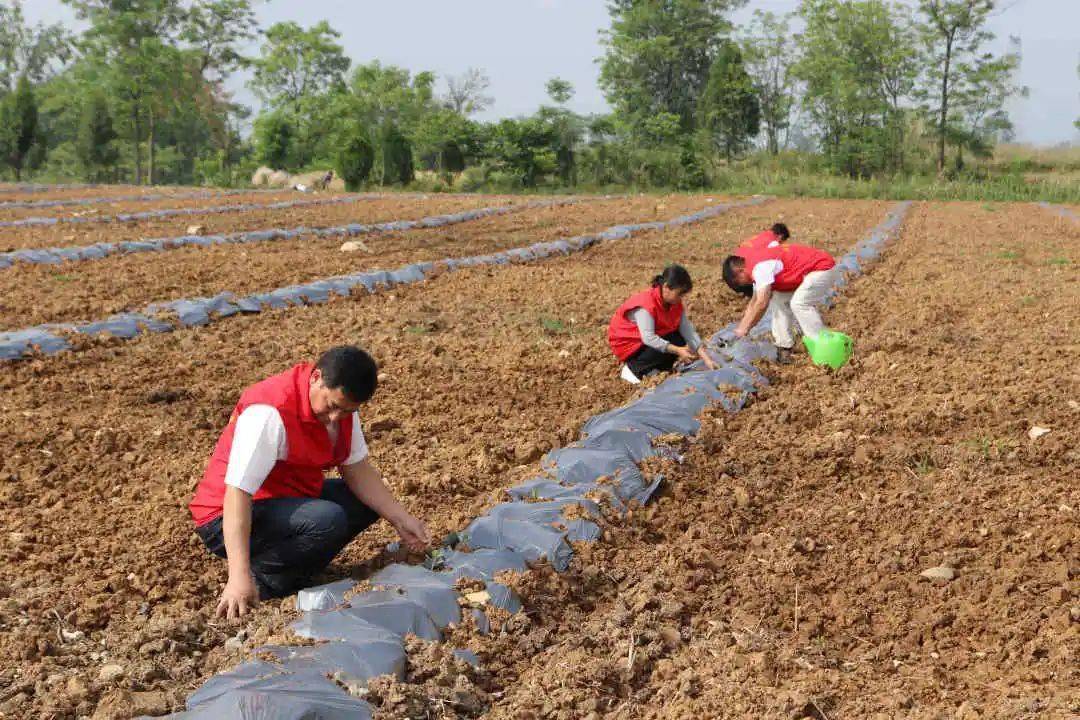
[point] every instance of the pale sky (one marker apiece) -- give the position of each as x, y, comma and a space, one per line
523, 43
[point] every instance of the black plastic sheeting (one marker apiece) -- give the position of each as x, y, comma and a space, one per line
366, 630
97, 251
181, 212
167, 316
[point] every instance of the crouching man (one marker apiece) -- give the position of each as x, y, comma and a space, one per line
791, 279
263, 503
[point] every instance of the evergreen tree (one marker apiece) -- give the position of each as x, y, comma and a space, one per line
728, 108
19, 121
95, 144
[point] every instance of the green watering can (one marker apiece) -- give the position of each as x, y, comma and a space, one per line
829, 348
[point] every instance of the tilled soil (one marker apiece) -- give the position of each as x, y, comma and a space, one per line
485, 369
163, 198
33, 294
365, 210
779, 574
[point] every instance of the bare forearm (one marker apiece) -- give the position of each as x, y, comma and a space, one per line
753, 314
236, 528
366, 483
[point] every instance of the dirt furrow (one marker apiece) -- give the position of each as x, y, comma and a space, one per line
105, 446
35, 294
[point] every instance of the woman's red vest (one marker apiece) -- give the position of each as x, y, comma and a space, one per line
761, 240
623, 334
799, 261
309, 450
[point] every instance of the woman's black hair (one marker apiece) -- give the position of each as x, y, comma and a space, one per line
780, 230
351, 369
675, 277
732, 264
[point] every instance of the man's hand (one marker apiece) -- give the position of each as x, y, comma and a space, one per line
413, 533
240, 596
683, 352
739, 333
704, 355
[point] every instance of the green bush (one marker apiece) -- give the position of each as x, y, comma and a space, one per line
397, 159
354, 162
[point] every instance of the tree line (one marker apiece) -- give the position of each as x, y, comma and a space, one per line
868, 88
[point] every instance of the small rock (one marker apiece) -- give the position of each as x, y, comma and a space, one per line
233, 644
671, 637
942, 572
111, 673
196, 230
354, 246
77, 688
150, 703
1037, 432
564, 353
72, 635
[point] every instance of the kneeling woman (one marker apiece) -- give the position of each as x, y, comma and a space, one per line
650, 331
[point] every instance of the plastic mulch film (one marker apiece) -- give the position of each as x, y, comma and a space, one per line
535, 542
188, 212
355, 662
1060, 210
73, 202
324, 597
190, 312
535, 526
276, 696
100, 250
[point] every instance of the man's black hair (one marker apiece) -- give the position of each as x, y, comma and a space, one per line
780, 230
732, 264
351, 369
675, 277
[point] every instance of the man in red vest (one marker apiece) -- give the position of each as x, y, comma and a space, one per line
263, 502
790, 279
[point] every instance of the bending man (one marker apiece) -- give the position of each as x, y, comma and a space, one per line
263, 503
791, 279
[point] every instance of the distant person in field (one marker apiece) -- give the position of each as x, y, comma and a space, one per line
263, 503
772, 237
326, 180
651, 331
791, 279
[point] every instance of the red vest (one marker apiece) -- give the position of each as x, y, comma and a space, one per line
623, 334
761, 240
798, 260
310, 452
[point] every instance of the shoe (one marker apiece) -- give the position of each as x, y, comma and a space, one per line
628, 375
783, 355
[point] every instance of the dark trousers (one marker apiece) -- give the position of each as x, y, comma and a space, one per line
292, 539
646, 359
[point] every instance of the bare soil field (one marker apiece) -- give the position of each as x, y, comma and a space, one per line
114, 201
32, 294
777, 575
366, 210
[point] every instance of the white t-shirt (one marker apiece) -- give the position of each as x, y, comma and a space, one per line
259, 442
765, 273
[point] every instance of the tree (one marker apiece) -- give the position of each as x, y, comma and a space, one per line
95, 143
980, 119
728, 108
858, 66
768, 61
31, 52
216, 29
465, 93
355, 160
297, 64
658, 55
19, 125
397, 160
274, 138
953, 33
521, 147
560, 91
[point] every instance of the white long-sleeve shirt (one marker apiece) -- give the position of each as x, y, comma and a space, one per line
259, 442
646, 325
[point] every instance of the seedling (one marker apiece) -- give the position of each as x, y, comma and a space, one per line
553, 325
417, 329
1061, 261
1008, 255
